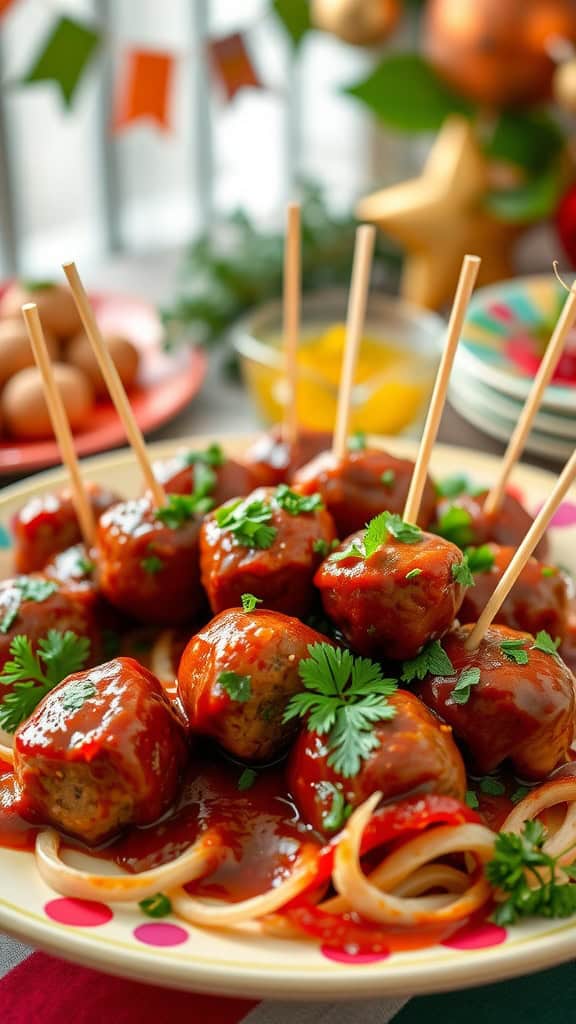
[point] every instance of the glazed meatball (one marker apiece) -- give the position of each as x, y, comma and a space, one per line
103, 750
148, 561
520, 712
362, 485
272, 460
269, 545
48, 524
415, 754
31, 605
218, 477
390, 602
236, 677
538, 600
462, 519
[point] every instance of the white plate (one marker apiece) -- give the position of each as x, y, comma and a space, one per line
489, 423
227, 964
490, 401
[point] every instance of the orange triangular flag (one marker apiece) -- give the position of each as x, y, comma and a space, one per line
145, 90
232, 64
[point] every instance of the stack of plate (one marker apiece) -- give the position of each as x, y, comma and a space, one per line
503, 340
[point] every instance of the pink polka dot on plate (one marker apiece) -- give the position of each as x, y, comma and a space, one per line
564, 516
82, 913
477, 936
345, 956
160, 934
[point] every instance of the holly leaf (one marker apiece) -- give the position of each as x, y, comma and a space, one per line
294, 16
405, 92
536, 199
531, 139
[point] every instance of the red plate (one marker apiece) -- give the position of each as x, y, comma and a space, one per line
167, 383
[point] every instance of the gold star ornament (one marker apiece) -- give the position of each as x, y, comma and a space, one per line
438, 217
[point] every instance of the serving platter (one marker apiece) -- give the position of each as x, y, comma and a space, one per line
121, 940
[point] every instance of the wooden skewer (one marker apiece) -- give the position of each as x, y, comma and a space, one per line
60, 423
546, 369
292, 288
363, 249
114, 384
466, 281
534, 535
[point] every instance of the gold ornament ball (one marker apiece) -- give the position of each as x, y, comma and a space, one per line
359, 22
564, 86
495, 51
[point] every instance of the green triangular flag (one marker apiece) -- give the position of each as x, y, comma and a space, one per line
64, 55
295, 17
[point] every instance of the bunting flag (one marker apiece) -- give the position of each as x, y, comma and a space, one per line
64, 56
4, 5
232, 65
146, 89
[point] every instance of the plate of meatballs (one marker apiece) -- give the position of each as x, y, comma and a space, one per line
246, 744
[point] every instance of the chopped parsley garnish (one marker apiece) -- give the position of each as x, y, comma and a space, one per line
471, 799
544, 642
320, 547
344, 697
454, 486
388, 478
205, 481
519, 794
32, 676
548, 570
237, 687
468, 678
179, 508
249, 602
480, 559
455, 524
491, 786
84, 566
461, 573
211, 456
156, 906
412, 574
296, 504
248, 522
357, 441
76, 694
24, 588
514, 650
246, 779
152, 564
516, 870
432, 660
335, 818
376, 534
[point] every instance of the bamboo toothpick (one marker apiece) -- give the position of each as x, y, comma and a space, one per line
466, 281
532, 538
546, 370
113, 383
291, 316
363, 249
60, 424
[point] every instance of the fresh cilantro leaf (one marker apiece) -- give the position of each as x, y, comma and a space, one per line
152, 564
31, 676
180, 508
354, 550
406, 533
246, 779
296, 504
76, 693
529, 878
461, 573
471, 799
454, 486
320, 547
388, 478
211, 456
357, 441
335, 818
548, 570
156, 906
84, 566
544, 642
455, 524
492, 787
237, 687
480, 559
345, 696
205, 481
24, 588
249, 602
412, 574
519, 794
514, 650
248, 522
432, 660
468, 678
382, 526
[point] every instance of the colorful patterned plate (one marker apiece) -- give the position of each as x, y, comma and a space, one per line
120, 940
469, 390
505, 334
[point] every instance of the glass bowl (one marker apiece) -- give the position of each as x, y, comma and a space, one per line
396, 367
